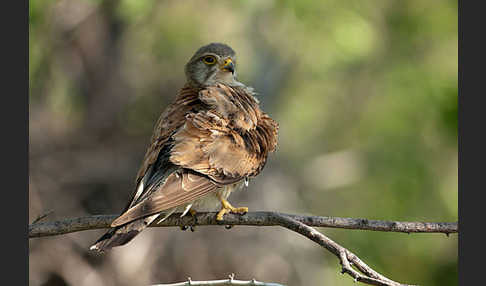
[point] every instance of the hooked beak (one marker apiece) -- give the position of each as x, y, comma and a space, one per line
229, 66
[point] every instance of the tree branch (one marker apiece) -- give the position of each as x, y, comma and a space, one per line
297, 223
226, 282
64, 226
346, 257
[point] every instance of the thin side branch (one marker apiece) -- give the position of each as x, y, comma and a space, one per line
366, 274
351, 264
225, 282
64, 226
42, 216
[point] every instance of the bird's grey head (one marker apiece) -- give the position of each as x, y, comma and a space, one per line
211, 64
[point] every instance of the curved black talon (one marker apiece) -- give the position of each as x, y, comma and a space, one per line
193, 228
228, 226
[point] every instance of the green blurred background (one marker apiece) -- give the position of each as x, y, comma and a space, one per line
365, 93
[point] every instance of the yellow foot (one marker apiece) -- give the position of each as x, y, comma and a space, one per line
227, 207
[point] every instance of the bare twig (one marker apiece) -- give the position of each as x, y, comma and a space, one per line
253, 219
225, 282
350, 263
346, 257
42, 216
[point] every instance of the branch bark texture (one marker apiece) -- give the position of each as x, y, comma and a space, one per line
224, 282
351, 264
64, 226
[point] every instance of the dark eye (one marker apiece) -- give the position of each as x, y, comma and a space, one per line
210, 60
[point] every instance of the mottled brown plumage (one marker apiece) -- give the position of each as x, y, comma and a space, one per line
209, 140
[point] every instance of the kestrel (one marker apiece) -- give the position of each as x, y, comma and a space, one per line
206, 144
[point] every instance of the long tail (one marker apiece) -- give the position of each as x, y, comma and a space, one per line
122, 234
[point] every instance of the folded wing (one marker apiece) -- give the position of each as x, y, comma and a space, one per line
179, 188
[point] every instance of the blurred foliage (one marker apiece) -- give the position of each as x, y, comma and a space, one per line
365, 93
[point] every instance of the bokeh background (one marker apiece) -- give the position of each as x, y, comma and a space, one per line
365, 93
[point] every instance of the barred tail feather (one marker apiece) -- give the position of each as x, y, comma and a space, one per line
122, 234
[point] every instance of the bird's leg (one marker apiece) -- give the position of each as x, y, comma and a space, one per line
227, 207
193, 214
